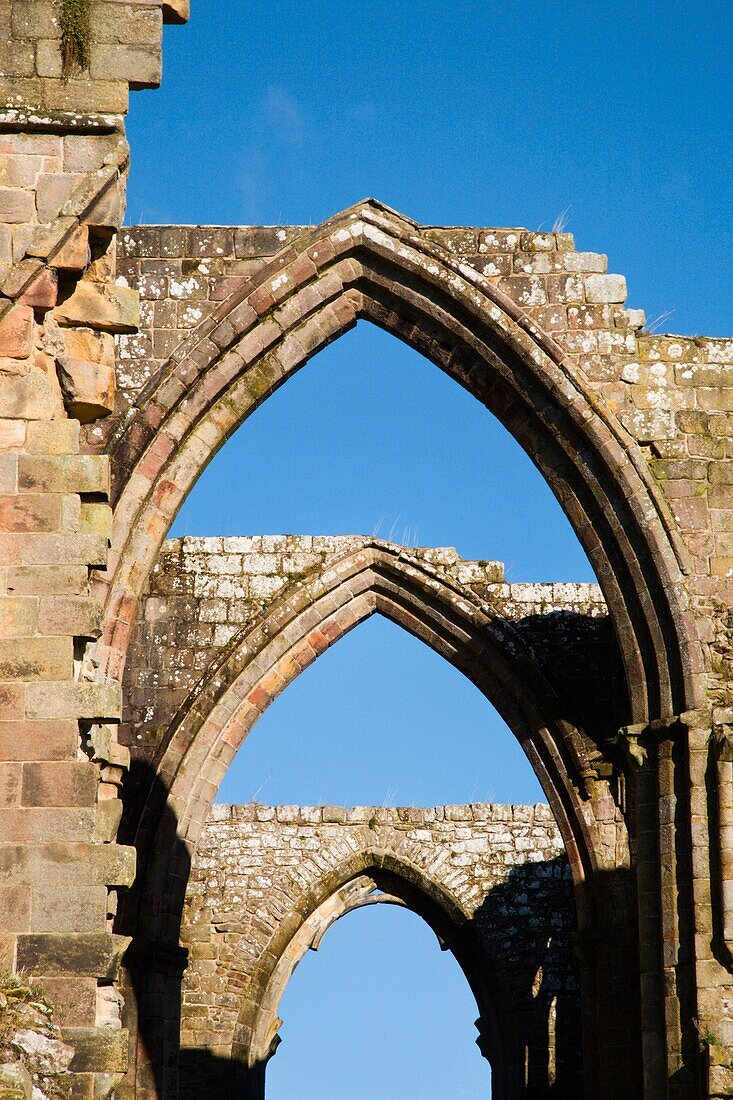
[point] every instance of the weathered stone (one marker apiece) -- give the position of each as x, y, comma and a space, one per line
109, 308
96, 954
88, 388
16, 332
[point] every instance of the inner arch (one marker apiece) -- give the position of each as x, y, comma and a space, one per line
364, 948
380, 719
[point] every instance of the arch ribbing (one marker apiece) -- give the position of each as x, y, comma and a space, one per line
289, 635
369, 263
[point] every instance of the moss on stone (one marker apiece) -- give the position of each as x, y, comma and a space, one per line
75, 36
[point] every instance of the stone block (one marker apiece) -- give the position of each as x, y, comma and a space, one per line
48, 579
16, 334
27, 398
10, 780
41, 740
16, 206
108, 209
42, 291
68, 909
89, 388
98, 1050
30, 824
56, 862
97, 702
57, 437
80, 616
96, 519
74, 254
18, 615
76, 954
74, 1001
176, 11
59, 783
52, 549
109, 815
103, 306
12, 433
53, 191
140, 66
19, 170
33, 512
64, 473
601, 289
36, 658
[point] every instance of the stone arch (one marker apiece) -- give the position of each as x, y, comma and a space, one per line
405, 880
370, 263
313, 614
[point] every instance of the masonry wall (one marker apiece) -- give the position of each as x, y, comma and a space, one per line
205, 593
102, 339
502, 866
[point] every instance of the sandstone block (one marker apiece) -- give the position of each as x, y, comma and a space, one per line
43, 290
29, 740
36, 658
100, 1050
600, 289
73, 700
64, 473
68, 909
80, 616
109, 815
31, 824
27, 398
52, 549
56, 437
89, 388
53, 191
56, 862
10, 779
15, 909
74, 253
32, 512
18, 615
48, 579
95, 519
104, 306
140, 66
176, 11
94, 954
12, 432
16, 333
59, 783
17, 170
74, 1000
16, 205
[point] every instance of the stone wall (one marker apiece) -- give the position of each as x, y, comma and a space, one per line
63, 166
103, 431
205, 594
262, 873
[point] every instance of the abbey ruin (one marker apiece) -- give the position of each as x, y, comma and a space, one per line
597, 934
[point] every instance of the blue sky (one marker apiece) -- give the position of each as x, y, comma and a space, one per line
468, 113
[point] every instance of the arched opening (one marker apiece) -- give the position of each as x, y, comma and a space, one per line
380, 720
369, 439
371, 264
378, 1007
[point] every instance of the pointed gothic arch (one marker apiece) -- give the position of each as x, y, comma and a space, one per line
371, 263
404, 879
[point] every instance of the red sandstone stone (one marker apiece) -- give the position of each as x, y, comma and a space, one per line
16, 331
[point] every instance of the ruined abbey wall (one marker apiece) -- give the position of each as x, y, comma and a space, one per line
260, 870
127, 357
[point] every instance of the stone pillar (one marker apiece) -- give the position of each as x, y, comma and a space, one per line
63, 163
